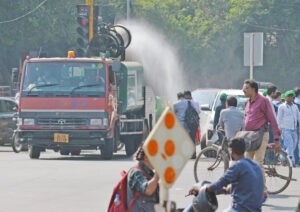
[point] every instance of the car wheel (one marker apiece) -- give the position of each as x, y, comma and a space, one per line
34, 152
16, 145
203, 141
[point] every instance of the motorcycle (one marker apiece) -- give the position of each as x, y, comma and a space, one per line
203, 201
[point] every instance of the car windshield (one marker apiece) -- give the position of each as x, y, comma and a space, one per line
240, 99
204, 97
64, 78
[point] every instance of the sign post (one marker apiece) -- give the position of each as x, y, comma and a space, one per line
168, 147
253, 50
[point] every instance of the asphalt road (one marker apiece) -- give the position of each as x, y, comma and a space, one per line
84, 183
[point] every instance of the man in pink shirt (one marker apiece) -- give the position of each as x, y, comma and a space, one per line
258, 113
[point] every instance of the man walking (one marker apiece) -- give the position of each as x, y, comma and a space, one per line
231, 119
258, 113
193, 127
271, 92
179, 108
288, 118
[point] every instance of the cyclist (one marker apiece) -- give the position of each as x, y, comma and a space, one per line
231, 118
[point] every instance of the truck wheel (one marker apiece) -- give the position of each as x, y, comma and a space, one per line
117, 142
75, 152
34, 152
16, 145
130, 147
108, 149
64, 152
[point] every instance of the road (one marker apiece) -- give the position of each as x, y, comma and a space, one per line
84, 183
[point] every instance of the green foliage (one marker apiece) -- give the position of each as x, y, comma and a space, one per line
209, 34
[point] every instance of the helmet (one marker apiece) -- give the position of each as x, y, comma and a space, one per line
205, 201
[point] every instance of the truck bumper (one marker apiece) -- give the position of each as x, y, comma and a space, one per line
83, 139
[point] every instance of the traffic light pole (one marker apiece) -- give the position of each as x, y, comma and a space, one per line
91, 18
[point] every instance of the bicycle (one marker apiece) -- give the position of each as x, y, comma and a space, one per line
215, 160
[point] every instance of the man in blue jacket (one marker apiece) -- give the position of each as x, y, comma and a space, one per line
243, 180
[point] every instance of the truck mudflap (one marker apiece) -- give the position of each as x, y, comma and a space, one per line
84, 139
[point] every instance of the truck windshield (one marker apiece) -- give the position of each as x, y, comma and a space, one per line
64, 79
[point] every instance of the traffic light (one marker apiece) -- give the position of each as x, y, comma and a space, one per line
83, 29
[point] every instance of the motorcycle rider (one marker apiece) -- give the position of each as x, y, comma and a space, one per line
243, 180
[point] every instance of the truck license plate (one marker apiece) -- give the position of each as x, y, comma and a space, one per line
61, 138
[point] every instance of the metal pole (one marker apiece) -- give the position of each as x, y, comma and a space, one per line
163, 196
251, 55
128, 9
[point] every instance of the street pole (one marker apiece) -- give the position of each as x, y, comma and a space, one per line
251, 55
91, 19
128, 9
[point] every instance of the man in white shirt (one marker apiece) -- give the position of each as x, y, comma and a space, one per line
288, 116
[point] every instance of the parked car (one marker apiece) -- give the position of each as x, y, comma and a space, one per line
206, 98
209, 111
8, 111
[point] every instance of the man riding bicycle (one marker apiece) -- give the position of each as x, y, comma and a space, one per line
231, 118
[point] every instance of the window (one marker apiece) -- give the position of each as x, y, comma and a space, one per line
63, 78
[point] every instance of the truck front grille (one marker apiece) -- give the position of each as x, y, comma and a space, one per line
62, 122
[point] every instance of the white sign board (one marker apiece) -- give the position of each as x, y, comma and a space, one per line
168, 147
257, 48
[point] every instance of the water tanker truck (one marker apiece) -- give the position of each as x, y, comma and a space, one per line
78, 103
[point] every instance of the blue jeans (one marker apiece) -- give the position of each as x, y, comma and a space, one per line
290, 139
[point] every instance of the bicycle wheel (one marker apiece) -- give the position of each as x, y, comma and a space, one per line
210, 164
278, 171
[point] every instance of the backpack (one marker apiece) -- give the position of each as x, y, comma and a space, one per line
121, 189
191, 117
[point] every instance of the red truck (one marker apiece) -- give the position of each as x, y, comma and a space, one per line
72, 104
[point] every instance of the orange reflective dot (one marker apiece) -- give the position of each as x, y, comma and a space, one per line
169, 147
152, 147
169, 175
169, 120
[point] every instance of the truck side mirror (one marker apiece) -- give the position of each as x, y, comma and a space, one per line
205, 107
116, 66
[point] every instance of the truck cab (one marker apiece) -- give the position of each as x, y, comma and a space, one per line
68, 104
